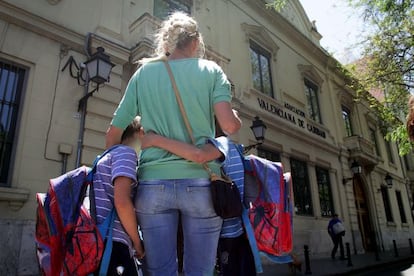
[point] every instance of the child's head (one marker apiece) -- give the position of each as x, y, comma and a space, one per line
132, 131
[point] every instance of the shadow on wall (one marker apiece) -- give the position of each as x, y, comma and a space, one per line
18, 254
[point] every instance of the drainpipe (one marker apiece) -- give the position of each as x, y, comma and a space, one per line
83, 104
82, 109
65, 150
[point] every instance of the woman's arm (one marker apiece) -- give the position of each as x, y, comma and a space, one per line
126, 212
187, 151
113, 136
227, 117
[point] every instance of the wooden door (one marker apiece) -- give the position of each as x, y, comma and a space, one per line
364, 222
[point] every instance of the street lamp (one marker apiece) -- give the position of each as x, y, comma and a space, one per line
356, 168
388, 179
258, 128
96, 69
99, 66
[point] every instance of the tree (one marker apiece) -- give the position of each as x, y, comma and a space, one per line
388, 65
387, 71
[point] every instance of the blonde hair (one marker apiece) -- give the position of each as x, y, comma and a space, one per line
176, 32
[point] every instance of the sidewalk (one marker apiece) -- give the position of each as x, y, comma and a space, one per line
362, 264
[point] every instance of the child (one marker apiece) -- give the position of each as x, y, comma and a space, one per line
115, 183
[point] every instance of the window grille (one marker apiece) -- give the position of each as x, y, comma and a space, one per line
325, 193
311, 92
11, 88
301, 188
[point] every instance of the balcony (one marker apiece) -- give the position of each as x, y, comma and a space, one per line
362, 150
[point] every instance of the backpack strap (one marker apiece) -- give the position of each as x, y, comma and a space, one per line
89, 179
252, 241
106, 227
106, 232
99, 157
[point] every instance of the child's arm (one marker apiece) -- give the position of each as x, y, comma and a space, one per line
126, 212
187, 151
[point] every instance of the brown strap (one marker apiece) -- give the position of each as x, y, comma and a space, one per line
183, 113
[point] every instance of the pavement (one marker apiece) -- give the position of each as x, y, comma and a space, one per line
360, 264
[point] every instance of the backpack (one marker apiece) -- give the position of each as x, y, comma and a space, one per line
338, 228
268, 194
68, 241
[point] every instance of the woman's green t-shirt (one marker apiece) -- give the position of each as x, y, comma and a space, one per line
149, 94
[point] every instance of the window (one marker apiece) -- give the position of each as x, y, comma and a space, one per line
269, 155
325, 194
373, 137
401, 207
261, 73
387, 206
347, 121
163, 8
301, 188
409, 162
311, 92
389, 151
11, 87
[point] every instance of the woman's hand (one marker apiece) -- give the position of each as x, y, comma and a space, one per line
148, 140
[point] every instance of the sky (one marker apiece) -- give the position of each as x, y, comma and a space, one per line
340, 26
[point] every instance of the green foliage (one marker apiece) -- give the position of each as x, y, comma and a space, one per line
277, 5
388, 65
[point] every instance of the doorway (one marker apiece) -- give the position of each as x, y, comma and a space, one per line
362, 210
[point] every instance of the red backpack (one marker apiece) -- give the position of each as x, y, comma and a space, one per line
68, 241
269, 193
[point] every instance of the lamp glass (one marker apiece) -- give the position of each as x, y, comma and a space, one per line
99, 66
356, 167
259, 129
104, 70
388, 180
92, 68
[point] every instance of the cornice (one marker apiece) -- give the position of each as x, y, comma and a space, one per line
288, 29
58, 33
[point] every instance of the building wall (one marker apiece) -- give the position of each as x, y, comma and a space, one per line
41, 36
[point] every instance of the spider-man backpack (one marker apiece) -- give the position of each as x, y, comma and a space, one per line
268, 195
68, 241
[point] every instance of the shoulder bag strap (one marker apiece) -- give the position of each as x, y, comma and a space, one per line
184, 114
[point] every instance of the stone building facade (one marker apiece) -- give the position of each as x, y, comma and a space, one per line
278, 70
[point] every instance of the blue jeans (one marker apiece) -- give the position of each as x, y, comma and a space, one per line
158, 203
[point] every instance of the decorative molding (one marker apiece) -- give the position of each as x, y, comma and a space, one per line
309, 71
261, 36
15, 197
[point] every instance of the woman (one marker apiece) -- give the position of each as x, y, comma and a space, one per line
169, 184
